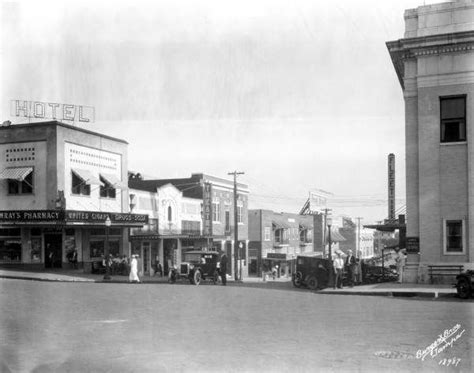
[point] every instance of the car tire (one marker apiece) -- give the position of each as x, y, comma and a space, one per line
312, 283
298, 279
197, 277
463, 288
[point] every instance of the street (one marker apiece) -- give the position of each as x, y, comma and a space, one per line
93, 327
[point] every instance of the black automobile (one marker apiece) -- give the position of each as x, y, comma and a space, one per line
311, 272
465, 284
197, 266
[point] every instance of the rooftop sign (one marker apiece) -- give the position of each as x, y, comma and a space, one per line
51, 110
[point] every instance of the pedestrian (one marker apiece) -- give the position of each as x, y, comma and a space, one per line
133, 277
350, 267
223, 268
159, 268
338, 267
400, 265
74, 258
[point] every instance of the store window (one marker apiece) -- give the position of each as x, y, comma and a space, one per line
35, 245
453, 119
24, 186
97, 242
10, 245
79, 187
454, 237
107, 190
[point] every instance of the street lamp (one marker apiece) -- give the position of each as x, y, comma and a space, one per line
329, 223
108, 223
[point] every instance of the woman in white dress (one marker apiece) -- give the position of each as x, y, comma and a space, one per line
134, 270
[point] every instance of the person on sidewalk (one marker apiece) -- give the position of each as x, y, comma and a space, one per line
223, 268
400, 265
133, 277
350, 267
338, 264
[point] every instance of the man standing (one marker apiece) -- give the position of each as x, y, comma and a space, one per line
223, 268
400, 264
338, 266
350, 266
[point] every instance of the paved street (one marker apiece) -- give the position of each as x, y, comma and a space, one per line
93, 327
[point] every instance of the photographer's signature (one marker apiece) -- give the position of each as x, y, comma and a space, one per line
444, 340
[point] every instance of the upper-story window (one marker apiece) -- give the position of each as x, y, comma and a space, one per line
170, 214
453, 118
79, 186
107, 190
239, 214
216, 211
20, 180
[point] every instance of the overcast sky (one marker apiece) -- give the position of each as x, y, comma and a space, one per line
297, 94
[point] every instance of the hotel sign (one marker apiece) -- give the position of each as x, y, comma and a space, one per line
207, 209
51, 110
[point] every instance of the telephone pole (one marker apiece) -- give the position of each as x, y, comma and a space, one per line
236, 224
358, 236
326, 211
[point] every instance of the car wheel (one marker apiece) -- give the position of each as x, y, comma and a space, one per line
298, 279
197, 277
463, 288
312, 283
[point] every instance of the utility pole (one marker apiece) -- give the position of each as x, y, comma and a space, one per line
358, 236
326, 211
236, 230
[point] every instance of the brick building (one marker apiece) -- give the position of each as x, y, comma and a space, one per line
435, 66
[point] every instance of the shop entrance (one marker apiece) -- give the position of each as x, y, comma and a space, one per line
53, 252
170, 254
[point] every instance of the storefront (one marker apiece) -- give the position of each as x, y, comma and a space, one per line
46, 238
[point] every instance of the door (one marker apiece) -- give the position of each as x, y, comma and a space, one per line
53, 253
146, 257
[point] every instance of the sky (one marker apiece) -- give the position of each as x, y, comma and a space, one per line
298, 95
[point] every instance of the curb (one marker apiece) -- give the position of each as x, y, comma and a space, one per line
44, 279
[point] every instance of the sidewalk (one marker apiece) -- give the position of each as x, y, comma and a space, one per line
382, 289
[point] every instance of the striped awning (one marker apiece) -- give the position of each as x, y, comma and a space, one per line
87, 177
114, 181
16, 173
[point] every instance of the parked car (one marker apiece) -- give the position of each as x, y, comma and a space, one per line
465, 284
198, 266
311, 272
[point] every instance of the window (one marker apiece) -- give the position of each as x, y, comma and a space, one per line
453, 118
170, 213
454, 239
10, 245
24, 186
79, 187
107, 190
216, 211
239, 214
267, 234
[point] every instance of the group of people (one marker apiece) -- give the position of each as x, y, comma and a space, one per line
350, 264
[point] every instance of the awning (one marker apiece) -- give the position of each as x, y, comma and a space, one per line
280, 223
336, 236
16, 173
305, 225
87, 177
114, 181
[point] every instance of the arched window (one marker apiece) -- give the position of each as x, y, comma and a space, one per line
170, 213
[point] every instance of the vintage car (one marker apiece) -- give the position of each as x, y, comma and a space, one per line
465, 284
197, 266
311, 272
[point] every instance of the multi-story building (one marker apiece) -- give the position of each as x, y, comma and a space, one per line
435, 66
59, 185
192, 213
276, 239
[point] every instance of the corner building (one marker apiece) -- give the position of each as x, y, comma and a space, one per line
435, 66
58, 185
